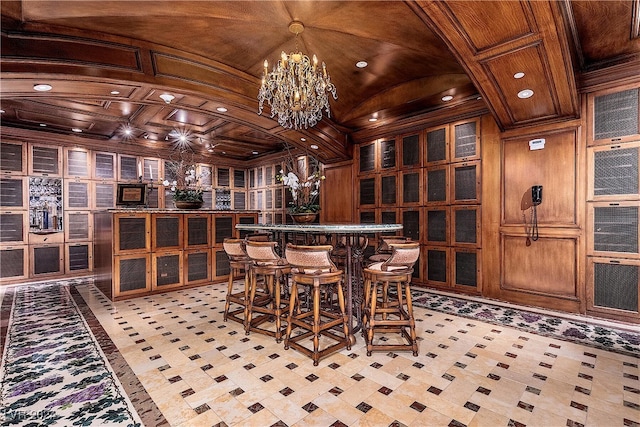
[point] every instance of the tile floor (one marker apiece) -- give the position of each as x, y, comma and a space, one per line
201, 371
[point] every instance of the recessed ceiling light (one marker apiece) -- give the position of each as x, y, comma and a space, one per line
43, 125
115, 92
361, 64
373, 119
525, 93
479, 98
42, 87
2, 111
314, 147
518, 75
447, 98
303, 139
76, 130
221, 109
254, 152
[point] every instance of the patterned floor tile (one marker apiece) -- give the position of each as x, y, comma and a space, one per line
486, 368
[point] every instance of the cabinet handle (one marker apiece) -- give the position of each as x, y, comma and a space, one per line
613, 147
614, 204
614, 261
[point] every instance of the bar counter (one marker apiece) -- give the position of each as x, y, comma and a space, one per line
140, 251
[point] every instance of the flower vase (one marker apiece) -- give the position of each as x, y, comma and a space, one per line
182, 204
304, 218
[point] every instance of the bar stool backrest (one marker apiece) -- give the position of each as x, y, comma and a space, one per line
310, 259
403, 256
258, 237
360, 240
263, 253
234, 249
385, 243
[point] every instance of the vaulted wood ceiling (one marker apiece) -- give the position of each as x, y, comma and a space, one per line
109, 61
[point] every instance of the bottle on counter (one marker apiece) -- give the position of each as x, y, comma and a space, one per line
45, 216
54, 218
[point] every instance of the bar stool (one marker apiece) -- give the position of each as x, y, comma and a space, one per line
383, 251
239, 264
311, 266
385, 313
273, 270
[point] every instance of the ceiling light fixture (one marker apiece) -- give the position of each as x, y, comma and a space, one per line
297, 90
447, 98
167, 98
76, 130
221, 109
181, 138
525, 93
518, 75
115, 92
313, 146
361, 64
42, 87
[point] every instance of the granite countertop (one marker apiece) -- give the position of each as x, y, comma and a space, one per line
323, 228
174, 210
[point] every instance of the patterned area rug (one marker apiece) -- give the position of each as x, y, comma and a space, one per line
583, 332
53, 369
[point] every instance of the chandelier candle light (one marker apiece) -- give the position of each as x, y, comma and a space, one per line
297, 90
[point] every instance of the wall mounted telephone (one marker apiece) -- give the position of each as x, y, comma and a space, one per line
536, 195
536, 199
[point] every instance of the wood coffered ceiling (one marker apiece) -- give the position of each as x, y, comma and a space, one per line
109, 61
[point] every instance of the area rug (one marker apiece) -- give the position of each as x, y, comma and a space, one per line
53, 370
592, 334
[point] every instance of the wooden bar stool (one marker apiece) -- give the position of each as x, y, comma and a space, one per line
273, 270
311, 266
384, 312
239, 265
383, 250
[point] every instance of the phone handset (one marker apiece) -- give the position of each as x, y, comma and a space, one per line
536, 199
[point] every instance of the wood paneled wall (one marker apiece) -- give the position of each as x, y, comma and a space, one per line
337, 201
543, 272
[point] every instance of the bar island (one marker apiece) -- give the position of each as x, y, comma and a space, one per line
142, 251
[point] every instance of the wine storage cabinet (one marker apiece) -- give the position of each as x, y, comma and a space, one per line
429, 181
613, 203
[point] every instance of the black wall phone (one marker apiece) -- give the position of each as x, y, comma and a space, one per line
536, 199
536, 195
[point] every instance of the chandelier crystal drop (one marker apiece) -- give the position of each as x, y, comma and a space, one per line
297, 89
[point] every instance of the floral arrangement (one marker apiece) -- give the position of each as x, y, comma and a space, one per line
303, 185
186, 186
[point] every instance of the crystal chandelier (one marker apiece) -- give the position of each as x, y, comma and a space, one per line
297, 90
